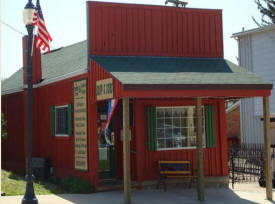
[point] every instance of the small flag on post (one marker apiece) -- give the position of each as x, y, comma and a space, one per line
111, 108
43, 37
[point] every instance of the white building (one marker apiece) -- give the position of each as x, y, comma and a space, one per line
257, 54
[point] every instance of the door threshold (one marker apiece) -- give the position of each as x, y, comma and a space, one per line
113, 184
110, 184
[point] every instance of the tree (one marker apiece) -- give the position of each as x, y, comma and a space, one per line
268, 12
4, 133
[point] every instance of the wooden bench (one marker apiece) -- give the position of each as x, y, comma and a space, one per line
175, 169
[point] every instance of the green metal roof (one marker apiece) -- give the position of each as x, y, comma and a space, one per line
55, 64
191, 72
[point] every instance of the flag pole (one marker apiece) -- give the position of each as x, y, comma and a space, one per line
32, 44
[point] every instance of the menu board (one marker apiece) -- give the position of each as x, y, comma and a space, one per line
80, 125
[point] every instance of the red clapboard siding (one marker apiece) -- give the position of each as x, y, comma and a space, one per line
13, 148
132, 29
146, 161
119, 146
59, 150
98, 73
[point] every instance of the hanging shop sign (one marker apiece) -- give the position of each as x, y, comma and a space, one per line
80, 125
104, 89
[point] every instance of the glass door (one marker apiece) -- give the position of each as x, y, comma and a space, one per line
106, 147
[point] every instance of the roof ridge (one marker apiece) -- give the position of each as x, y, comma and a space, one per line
61, 48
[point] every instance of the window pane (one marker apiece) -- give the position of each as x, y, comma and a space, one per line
176, 122
161, 143
177, 142
184, 142
190, 122
184, 113
168, 122
184, 132
176, 132
160, 133
177, 112
168, 133
61, 120
160, 123
168, 112
169, 143
160, 112
192, 131
193, 141
183, 122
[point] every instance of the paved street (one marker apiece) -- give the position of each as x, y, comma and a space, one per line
242, 194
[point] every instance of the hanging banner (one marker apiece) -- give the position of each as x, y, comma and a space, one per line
80, 125
104, 89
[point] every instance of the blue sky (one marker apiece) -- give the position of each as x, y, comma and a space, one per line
66, 22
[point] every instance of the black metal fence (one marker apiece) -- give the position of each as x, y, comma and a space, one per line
246, 163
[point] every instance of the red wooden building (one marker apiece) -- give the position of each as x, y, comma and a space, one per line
161, 58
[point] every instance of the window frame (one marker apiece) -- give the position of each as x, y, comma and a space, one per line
181, 148
60, 135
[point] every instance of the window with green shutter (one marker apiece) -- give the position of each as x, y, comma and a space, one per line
61, 120
175, 127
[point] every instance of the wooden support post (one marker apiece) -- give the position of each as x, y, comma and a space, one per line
200, 184
126, 151
267, 142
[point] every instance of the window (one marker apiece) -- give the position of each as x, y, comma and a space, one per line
61, 121
175, 127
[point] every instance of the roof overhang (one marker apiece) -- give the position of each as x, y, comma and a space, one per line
219, 94
145, 76
164, 87
254, 31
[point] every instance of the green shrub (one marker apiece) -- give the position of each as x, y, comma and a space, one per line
76, 185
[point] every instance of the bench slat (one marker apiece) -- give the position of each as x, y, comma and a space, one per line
175, 172
174, 162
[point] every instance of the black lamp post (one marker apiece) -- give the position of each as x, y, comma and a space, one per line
29, 196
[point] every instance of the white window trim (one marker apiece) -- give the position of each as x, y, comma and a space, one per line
59, 135
182, 148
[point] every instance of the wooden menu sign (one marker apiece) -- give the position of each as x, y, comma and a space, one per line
80, 125
104, 89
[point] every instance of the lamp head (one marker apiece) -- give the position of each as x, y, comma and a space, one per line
28, 13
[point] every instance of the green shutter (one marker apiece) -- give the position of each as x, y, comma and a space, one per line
151, 128
210, 126
52, 121
70, 119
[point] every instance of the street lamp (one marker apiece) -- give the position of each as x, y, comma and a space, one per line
29, 197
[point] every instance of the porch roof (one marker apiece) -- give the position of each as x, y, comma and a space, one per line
174, 73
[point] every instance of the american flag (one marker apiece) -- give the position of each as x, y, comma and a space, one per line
111, 108
43, 37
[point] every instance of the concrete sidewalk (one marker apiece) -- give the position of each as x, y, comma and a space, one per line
242, 194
